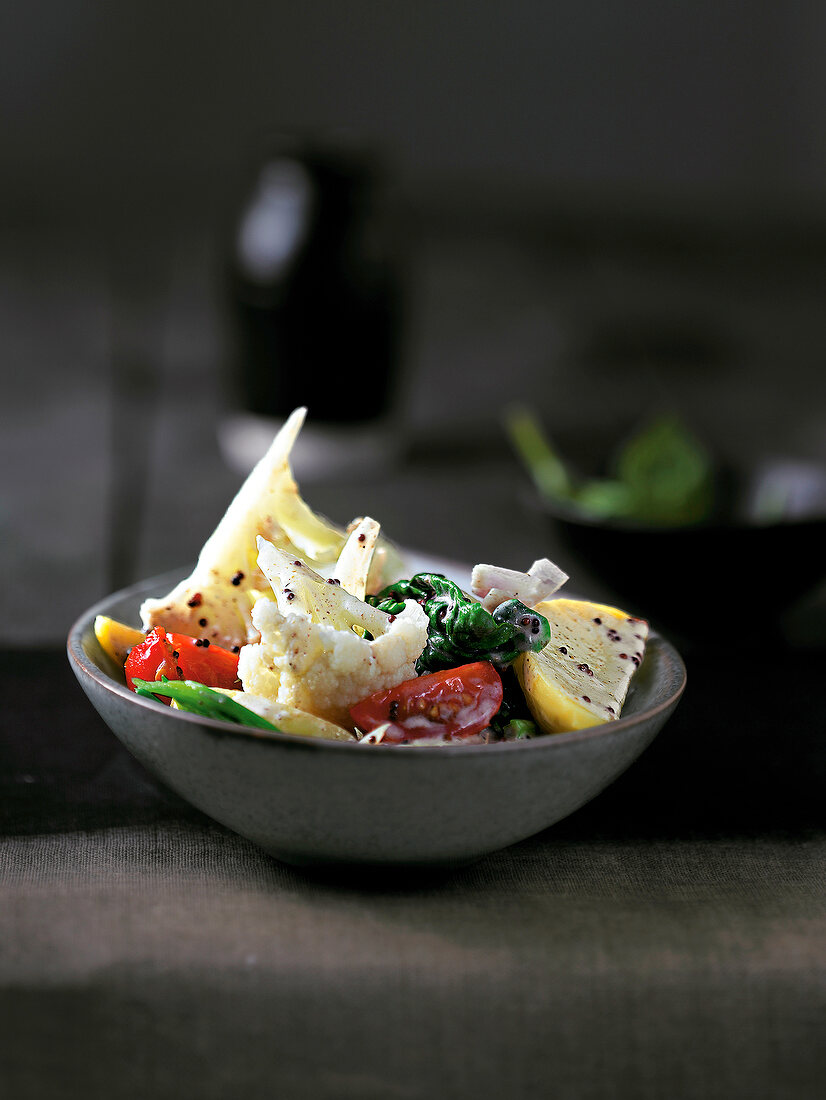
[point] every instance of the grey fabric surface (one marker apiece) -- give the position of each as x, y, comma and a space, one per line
669, 939
175, 960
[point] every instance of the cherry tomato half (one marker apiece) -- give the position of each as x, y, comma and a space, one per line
449, 705
179, 657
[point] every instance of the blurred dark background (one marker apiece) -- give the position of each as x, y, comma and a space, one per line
147, 107
603, 209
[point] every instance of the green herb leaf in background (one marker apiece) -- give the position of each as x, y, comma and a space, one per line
668, 474
662, 475
534, 448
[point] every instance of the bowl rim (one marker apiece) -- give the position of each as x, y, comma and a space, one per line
84, 666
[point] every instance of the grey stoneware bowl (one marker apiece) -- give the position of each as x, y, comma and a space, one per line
308, 801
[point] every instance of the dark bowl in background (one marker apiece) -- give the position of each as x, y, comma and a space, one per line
740, 571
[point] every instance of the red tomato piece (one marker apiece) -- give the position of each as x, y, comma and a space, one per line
448, 706
179, 657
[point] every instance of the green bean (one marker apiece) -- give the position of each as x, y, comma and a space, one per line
200, 699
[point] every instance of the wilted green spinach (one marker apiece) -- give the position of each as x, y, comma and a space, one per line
460, 630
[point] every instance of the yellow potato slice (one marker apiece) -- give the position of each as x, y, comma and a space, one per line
116, 638
290, 719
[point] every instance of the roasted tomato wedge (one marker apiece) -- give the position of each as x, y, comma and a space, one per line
444, 706
179, 657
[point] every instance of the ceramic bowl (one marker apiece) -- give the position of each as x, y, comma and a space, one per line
308, 801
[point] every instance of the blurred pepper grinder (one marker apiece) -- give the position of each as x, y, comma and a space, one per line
314, 284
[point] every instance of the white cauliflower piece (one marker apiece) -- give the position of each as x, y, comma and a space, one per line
353, 565
382, 561
313, 652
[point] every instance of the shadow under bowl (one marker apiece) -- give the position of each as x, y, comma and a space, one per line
310, 801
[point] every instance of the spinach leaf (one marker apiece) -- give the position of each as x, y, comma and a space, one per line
459, 629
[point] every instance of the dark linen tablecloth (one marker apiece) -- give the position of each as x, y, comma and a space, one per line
666, 940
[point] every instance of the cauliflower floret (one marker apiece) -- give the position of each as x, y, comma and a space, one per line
354, 561
313, 652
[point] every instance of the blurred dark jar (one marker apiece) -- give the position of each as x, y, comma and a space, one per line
315, 285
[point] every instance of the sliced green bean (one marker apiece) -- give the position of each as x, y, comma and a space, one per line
199, 699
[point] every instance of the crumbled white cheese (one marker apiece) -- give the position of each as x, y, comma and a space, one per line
493, 584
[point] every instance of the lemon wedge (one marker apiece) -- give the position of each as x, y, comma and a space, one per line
582, 675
